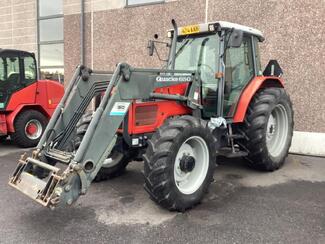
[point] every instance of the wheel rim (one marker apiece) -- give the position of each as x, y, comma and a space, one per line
113, 160
33, 129
277, 130
190, 175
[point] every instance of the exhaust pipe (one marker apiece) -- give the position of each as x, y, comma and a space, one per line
173, 54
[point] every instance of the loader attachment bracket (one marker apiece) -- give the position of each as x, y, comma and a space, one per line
64, 185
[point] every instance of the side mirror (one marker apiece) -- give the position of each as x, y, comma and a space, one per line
236, 38
151, 47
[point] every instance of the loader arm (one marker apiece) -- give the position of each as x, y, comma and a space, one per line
65, 184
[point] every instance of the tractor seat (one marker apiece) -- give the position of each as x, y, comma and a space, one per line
14, 79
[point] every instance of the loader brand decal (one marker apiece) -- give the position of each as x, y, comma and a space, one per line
190, 29
119, 109
174, 78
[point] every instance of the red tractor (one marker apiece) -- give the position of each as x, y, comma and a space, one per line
212, 99
26, 104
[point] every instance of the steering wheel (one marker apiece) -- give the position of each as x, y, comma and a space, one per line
210, 74
208, 66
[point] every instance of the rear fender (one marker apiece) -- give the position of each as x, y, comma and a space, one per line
249, 92
49, 94
12, 116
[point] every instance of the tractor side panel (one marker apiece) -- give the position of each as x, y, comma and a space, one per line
147, 117
249, 92
49, 94
23, 96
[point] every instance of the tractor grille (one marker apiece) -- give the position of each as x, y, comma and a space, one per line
146, 115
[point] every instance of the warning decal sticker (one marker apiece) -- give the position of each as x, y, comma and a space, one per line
119, 109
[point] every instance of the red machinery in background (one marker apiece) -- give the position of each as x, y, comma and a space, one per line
26, 104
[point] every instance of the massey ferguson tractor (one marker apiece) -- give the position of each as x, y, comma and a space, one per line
26, 104
212, 99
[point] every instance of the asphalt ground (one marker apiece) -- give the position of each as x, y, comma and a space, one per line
242, 206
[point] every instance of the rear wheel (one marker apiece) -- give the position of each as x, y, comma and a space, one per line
119, 158
179, 163
269, 128
29, 127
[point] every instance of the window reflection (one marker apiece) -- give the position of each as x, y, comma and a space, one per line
51, 54
51, 29
50, 51
53, 74
50, 7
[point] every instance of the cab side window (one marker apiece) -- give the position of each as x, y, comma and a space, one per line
13, 74
30, 70
239, 71
257, 56
2, 70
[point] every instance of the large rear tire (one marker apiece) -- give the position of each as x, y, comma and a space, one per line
117, 162
29, 127
269, 127
179, 163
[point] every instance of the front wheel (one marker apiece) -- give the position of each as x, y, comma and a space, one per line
179, 163
117, 161
29, 127
269, 127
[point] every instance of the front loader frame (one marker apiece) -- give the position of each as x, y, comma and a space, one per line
125, 85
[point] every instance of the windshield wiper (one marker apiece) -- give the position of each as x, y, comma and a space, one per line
183, 44
188, 42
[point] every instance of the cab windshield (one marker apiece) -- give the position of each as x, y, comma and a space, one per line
201, 53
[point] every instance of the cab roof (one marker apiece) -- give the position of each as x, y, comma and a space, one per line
15, 52
205, 27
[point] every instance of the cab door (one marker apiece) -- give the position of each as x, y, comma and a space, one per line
239, 71
10, 78
17, 80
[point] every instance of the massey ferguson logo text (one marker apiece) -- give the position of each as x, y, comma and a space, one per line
174, 79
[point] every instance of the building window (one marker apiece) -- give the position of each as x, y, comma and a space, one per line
50, 40
142, 2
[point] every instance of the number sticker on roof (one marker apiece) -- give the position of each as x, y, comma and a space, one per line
190, 29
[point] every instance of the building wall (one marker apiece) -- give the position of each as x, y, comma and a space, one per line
293, 28
18, 24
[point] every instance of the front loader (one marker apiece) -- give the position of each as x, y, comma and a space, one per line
212, 99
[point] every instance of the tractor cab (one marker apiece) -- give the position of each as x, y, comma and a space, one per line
226, 56
219, 50
17, 71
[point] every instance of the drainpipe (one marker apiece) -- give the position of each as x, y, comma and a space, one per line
82, 32
206, 10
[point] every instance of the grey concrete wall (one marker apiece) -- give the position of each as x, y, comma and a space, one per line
18, 24
294, 31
